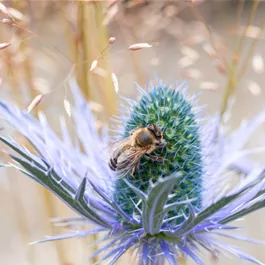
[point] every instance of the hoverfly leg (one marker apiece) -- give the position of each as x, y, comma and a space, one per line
155, 158
161, 144
135, 169
134, 172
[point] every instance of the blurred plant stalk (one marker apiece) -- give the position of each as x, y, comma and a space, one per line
86, 45
236, 73
238, 66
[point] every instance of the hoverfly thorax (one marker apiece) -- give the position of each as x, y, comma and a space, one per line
144, 138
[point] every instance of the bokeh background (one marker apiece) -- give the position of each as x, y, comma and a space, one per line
207, 43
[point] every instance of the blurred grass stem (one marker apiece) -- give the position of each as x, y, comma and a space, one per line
232, 82
130, 37
250, 53
240, 9
201, 18
84, 25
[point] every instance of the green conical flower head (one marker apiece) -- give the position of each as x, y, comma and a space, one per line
173, 113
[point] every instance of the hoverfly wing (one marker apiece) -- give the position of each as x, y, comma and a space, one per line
112, 148
128, 160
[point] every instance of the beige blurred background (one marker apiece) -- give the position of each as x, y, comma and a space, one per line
52, 40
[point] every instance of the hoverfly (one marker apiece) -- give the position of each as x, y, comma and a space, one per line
127, 152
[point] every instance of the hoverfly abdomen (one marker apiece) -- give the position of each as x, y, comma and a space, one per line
113, 164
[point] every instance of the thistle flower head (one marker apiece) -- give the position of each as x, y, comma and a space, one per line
169, 208
172, 112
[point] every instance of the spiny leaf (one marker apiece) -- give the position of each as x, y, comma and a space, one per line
81, 201
112, 204
153, 203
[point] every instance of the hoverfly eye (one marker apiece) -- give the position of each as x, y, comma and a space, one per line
150, 127
159, 137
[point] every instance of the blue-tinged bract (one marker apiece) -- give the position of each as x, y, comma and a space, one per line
171, 208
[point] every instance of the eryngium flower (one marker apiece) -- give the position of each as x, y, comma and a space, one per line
171, 208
